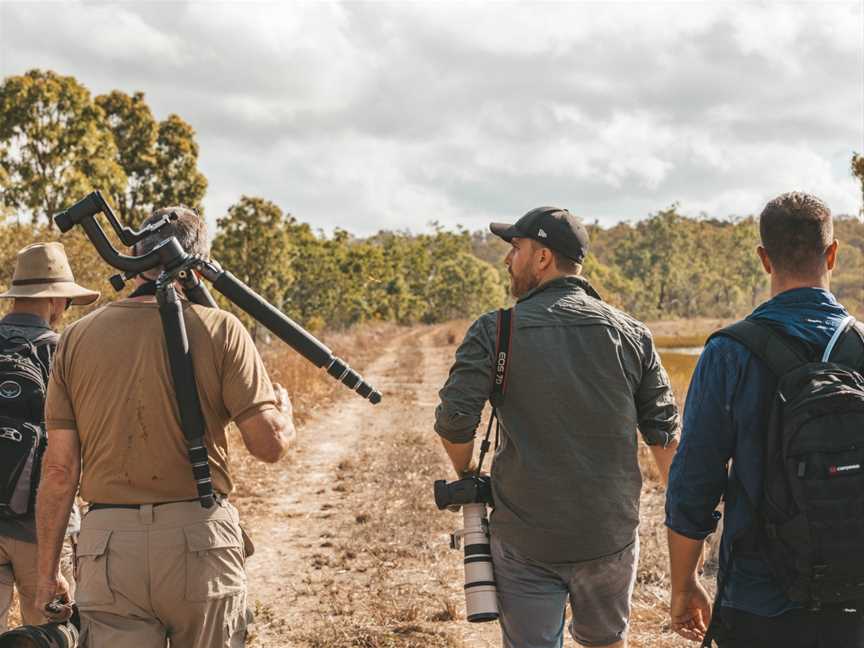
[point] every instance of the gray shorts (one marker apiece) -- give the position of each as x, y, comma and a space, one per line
532, 596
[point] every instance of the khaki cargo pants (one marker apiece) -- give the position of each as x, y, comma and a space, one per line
171, 574
18, 571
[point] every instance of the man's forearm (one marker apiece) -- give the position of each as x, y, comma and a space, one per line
53, 507
684, 555
663, 457
460, 454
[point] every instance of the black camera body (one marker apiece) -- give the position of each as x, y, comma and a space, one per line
470, 490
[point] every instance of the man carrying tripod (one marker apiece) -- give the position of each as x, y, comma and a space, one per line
43, 288
582, 377
154, 565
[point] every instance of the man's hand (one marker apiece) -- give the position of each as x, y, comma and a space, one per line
470, 471
53, 589
690, 610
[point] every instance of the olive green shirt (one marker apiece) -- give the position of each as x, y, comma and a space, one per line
583, 377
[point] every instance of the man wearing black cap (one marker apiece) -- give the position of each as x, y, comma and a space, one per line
582, 377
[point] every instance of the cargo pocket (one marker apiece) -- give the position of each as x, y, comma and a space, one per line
91, 574
214, 560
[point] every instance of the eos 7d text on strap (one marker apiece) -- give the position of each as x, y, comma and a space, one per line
499, 377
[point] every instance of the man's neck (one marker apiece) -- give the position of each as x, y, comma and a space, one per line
780, 284
553, 276
39, 307
140, 281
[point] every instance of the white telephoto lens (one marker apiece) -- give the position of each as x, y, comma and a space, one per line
481, 600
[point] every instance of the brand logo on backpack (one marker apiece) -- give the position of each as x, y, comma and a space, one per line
10, 433
844, 470
10, 389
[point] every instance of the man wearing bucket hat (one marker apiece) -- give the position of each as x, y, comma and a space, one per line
582, 377
42, 288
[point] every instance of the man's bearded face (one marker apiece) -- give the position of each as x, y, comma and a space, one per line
520, 265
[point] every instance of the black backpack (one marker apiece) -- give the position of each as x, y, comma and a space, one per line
809, 524
23, 377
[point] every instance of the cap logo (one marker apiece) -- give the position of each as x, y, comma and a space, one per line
541, 233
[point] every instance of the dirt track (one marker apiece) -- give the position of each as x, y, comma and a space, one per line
350, 549
305, 510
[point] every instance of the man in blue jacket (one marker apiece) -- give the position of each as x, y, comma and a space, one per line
725, 419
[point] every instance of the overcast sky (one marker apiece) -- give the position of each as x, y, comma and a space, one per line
374, 115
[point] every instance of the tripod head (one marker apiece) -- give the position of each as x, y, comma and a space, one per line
177, 265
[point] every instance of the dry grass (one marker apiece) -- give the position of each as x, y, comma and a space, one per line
382, 575
311, 389
384, 585
650, 616
699, 327
393, 549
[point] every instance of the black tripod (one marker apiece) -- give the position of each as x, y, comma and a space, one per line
178, 266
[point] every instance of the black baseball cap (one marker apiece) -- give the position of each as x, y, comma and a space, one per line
554, 227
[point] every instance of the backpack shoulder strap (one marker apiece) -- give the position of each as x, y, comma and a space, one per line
45, 346
765, 343
14, 341
848, 345
45, 338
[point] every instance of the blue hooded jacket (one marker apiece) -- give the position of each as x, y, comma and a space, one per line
726, 412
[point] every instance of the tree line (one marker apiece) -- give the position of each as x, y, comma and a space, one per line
58, 142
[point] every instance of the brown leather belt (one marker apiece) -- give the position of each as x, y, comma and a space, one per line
98, 506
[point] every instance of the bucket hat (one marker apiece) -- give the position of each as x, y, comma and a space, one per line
42, 270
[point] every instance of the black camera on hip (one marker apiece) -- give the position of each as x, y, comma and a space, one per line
470, 490
47, 635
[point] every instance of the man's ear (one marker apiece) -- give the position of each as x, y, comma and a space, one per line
545, 259
831, 255
766, 262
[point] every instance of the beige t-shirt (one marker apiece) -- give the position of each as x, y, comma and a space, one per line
111, 381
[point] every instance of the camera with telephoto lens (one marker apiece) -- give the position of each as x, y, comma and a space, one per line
47, 635
473, 494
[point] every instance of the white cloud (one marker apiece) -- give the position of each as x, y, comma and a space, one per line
371, 115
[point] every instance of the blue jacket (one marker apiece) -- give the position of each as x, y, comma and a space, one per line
725, 415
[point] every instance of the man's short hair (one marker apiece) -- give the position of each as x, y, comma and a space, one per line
565, 264
188, 227
796, 229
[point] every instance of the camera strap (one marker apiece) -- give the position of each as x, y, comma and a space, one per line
185, 386
501, 363
186, 391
